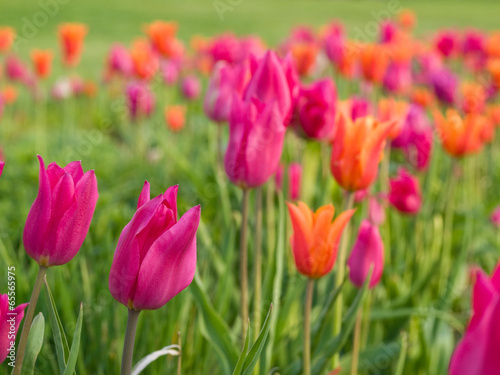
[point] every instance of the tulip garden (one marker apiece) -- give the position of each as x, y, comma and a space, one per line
315, 201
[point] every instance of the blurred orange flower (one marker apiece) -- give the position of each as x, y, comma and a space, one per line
304, 57
7, 36
9, 94
422, 97
163, 37
374, 59
407, 19
71, 36
391, 110
175, 117
42, 62
144, 59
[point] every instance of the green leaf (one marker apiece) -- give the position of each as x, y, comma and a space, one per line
213, 327
75, 345
60, 339
254, 353
34, 345
243, 355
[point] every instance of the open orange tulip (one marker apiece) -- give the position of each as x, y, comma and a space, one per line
460, 136
392, 110
357, 149
316, 238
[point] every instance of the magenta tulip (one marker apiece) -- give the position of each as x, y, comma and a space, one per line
445, 84
15, 69
2, 164
155, 258
119, 61
405, 193
367, 253
60, 217
256, 136
315, 109
10, 318
269, 83
388, 32
477, 352
397, 78
140, 100
191, 87
446, 42
170, 70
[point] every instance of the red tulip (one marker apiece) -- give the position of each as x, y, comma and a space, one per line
10, 319
256, 136
405, 192
155, 258
42, 62
60, 217
368, 252
315, 109
71, 36
477, 352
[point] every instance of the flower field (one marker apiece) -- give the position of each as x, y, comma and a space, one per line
224, 187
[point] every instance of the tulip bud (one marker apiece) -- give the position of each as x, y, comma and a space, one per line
155, 258
60, 217
7, 36
316, 238
10, 319
367, 253
175, 117
446, 42
219, 94
256, 136
405, 193
445, 85
190, 87
42, 62
119, 61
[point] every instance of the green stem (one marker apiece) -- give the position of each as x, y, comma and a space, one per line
244, 262
179, 360
341, 262
23, 341
258, 261
220, 157
307, 327
356, 341
128, 345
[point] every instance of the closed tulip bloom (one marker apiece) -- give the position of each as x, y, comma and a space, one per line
140, 100
162, 36
7, 36
119, 61
60, 217
374, 60
155, 258
219, 93
269, 83
226, 47
407, 19
447, 42
175, 117
7, 335
388, 32
190, 87
71, 36
315, 238
477, 352
367, 253
357, 149
256, 136
15, 69
398, 77
445, 85
316, 108
42, 62
405, 193
144, 59
460, 136
376, 211
334, 43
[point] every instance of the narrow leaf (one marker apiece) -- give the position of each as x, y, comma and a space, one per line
34, 345
254, 353
172, 350
75, 345
243, 355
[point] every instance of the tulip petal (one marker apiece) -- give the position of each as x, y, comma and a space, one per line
144, 197
302, 238
75, 170
169, 265
171, 198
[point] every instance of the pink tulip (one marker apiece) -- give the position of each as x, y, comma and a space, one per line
367, 253
445, 84
495, 217
10, 319
359, 107
155, 258
405, 193
170, 70
334, 44
397, 78
15, 69
226, 47
376, 212
269, 83
388, 31
294, 180
140, 100
119, 61
191, 87
256, 136
446, 42
60, 217
316, 108
477, 352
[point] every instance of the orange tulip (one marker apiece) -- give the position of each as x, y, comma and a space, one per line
473, 97
493, 112
357, 149
395, 111
7, 36
493, 45
461, 136
162, 36
304, 57
42, 62
407, 19
316, 238
9, 94
144, 59
422, 97
374, 60
71, 36
175, 117
493, 67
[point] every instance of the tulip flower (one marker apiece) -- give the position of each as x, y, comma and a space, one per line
376, 212
226, 47
256, 136
315, 109
316, 238
407, 19
15, 69
60, 217
357, 149
42, 62
155, 258
140, 100
367, 253
175, 117
71, 36
405, 193
388, 31
477, 352
294, 179
304, 57
444, 84
473, 97
446, 42
374, 61
269, 83
2, 165
162, 36
190, 87
9, 94
393, 111
334, 43
10, 319
119, 61
7, 36
460, 136
220, 91
144, 59
170, 71
398, 77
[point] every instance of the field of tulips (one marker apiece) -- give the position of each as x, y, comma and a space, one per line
204, 192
